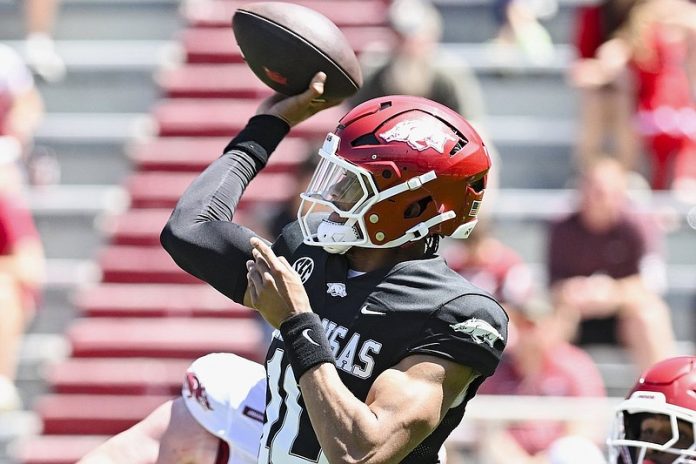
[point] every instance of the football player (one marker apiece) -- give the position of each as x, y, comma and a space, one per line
379, 345
656, 424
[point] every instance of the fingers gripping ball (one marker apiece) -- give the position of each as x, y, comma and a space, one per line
286, 44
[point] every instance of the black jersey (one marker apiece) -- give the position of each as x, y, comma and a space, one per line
372, 322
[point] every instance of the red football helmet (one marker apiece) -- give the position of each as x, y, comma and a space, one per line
657, 422
397, 169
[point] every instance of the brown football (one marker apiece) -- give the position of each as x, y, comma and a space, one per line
286, 44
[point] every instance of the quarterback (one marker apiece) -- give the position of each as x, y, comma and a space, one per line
379, 345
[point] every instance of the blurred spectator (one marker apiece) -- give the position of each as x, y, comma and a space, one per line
538, 362
594, 265
489, 264
21, 113
575, 450
412, 66
518, 25
606, 106
21, 106
657, 44
21, 269
40, 51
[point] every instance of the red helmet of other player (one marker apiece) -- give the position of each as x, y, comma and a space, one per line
656, 424
397, 169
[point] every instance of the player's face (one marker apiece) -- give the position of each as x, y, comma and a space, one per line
657, 428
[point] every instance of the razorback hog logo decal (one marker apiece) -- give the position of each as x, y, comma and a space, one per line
419, 134
479, 330
197, 391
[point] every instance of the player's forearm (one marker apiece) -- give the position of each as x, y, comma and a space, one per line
216, 192
347, 429
199, 235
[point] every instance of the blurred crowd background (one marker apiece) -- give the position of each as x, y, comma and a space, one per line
109, 107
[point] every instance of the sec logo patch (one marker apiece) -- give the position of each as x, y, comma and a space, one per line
304, 267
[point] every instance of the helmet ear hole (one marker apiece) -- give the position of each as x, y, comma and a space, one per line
478, 185
417, 208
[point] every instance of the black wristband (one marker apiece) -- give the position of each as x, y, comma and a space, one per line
260, 136
305, 342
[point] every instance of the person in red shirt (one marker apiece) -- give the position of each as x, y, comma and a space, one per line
21, 271
656, 47
606, 105
538, 362
600, 285
490, 264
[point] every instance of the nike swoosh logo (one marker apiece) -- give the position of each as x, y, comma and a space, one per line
370, 312
305, 334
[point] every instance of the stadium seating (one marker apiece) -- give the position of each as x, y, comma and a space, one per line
220, 118
163, 189
57, 449
216, 45
117, 376
193, 154
157, 300
345, 13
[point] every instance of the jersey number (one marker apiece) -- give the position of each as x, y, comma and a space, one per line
282, 441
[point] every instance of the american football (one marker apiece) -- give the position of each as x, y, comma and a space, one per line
285, 44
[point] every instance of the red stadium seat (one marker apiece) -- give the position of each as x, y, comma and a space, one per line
142, 227
212, 81
193, 154
56, 449
118, 376
217, 45
123, 264
225, 118
217, 13
94, 414
163, 189
158, 300
138, 227
182, 338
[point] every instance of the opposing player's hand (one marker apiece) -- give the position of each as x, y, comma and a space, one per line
275, 289
297, 108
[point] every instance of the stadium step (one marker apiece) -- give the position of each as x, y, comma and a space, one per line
217, 13
212, 81
171, 338
225, 118
118, 376
163, 189
217, 45
191, 154
142, 227
124, 264
94, 414
56, 449
101, 19
137, 227
158, 300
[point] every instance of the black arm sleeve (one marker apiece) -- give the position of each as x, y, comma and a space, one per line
199, 235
